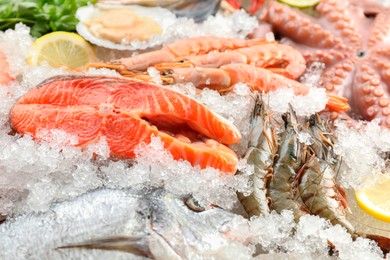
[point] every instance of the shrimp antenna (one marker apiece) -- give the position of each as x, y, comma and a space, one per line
351, 216
338, 170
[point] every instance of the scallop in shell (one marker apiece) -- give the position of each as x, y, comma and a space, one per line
128, 27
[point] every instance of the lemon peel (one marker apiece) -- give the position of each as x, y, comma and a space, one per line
61, 49
300, 3
375, 198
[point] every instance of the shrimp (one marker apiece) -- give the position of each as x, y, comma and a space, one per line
281, 189
219, 63
279, 58
317, 186
323, 138
177, 51
224, 78
320, 195
260, 154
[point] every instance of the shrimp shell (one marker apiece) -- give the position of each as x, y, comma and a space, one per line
281, 189
319, 193
260, 154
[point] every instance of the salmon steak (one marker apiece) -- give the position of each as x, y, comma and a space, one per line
128, 112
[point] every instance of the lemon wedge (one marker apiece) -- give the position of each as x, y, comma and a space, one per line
300, 3
375, 198
61, 49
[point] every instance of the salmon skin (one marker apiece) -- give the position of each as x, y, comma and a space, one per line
128, 112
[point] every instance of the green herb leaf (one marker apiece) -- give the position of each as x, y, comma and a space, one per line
39, 29
43, 16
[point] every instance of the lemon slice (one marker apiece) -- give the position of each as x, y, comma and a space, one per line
300, 3
375, 199
61, 49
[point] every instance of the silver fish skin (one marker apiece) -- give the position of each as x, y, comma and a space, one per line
126, 224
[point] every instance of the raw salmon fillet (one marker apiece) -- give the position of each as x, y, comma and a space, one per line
128, 112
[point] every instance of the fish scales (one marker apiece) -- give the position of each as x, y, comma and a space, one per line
160, 225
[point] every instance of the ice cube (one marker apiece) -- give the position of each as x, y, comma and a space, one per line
155, 75
362, 151
16, 46
312, 75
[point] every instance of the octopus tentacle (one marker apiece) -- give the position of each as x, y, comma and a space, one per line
338, 77
370, 95
298, 26
340, 17
327, 56
380, 29
371, 7
380, 58
355, 49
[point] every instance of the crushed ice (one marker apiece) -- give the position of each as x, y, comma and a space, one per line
312, 75
313, 102
155, 167
363, 151
154, 75
309, 236
237, 25
34, 175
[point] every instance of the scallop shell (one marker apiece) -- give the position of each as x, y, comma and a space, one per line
162, 16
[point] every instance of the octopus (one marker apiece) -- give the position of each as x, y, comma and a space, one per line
352, 40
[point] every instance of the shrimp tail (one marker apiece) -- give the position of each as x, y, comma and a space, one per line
337, 103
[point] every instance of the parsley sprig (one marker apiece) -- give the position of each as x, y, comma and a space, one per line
43, 16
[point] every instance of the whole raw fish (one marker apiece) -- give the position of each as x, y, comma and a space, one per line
125, 223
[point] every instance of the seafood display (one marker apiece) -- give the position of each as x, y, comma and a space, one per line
182, 140
127, 112
290, 160
261, 153
352, 46
289, 169
295, 176
214, 52
317, 182
162, 230
219, 63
